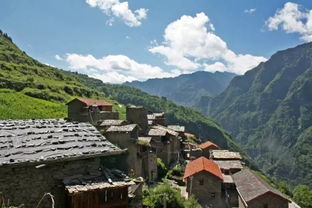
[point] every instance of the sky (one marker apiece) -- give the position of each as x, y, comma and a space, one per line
126, 40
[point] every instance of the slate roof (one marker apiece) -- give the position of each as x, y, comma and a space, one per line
112, 122
229, 164
250, 186
157, 132
225, 155
43, 140
168, 130
202, 164
144, 141
96, 180
124, 128
91, 102
227, 179
207, 145
177, 128
155, 115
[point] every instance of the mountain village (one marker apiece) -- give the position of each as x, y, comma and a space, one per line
94, 160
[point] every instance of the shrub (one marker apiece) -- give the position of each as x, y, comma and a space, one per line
303, 196
164, 195
161, 168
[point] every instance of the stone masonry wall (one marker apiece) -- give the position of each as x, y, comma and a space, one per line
26, 185
271, 200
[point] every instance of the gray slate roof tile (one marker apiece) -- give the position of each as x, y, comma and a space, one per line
33, 141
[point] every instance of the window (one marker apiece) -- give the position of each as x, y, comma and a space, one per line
213, 195
201, 182
265, 206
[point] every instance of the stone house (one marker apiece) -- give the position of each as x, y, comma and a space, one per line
206, 147
137, 115
89, 110
125, 137
141, 157
255, 193
62, 158
204, 181
147, 153
167, 144
156, 119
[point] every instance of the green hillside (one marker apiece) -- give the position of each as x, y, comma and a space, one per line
16, 105
269, 113
28, 79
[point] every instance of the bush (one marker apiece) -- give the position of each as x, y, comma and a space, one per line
165, 195
303, 196
161, 168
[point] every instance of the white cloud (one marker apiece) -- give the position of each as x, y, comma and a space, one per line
292, 19
115, 8
190, 42
58, 57
250, 11
115, 68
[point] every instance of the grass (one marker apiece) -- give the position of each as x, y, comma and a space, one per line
16, 105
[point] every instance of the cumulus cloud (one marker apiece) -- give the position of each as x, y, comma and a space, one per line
58, 57
250, 11
115, 68
117, 9
292, 18
190, 43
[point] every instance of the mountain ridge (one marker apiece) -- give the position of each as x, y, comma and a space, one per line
186, 89
268, 109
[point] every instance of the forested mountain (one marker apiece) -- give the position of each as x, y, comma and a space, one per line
268, 111
186, 89
30, 89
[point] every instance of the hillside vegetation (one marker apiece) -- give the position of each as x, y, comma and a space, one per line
35, 87
37, 90
186, 89
268, 111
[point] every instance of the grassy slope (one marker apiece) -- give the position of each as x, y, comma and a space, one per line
29, 79
16, 105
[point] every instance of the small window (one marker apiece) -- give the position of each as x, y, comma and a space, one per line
265, 206
213, 195
201, 182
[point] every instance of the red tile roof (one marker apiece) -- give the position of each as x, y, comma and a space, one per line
202, 164
90, 102
208, 144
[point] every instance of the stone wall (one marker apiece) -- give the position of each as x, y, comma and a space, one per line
78, 112
26, 185
124, 140
271, 200
138, 115
206, 188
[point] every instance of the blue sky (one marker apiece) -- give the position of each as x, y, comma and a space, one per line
125, 40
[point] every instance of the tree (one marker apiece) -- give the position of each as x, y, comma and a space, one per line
163, 195
303, 196
284, 188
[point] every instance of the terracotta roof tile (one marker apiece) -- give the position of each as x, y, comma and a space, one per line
202, 164
208, 144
